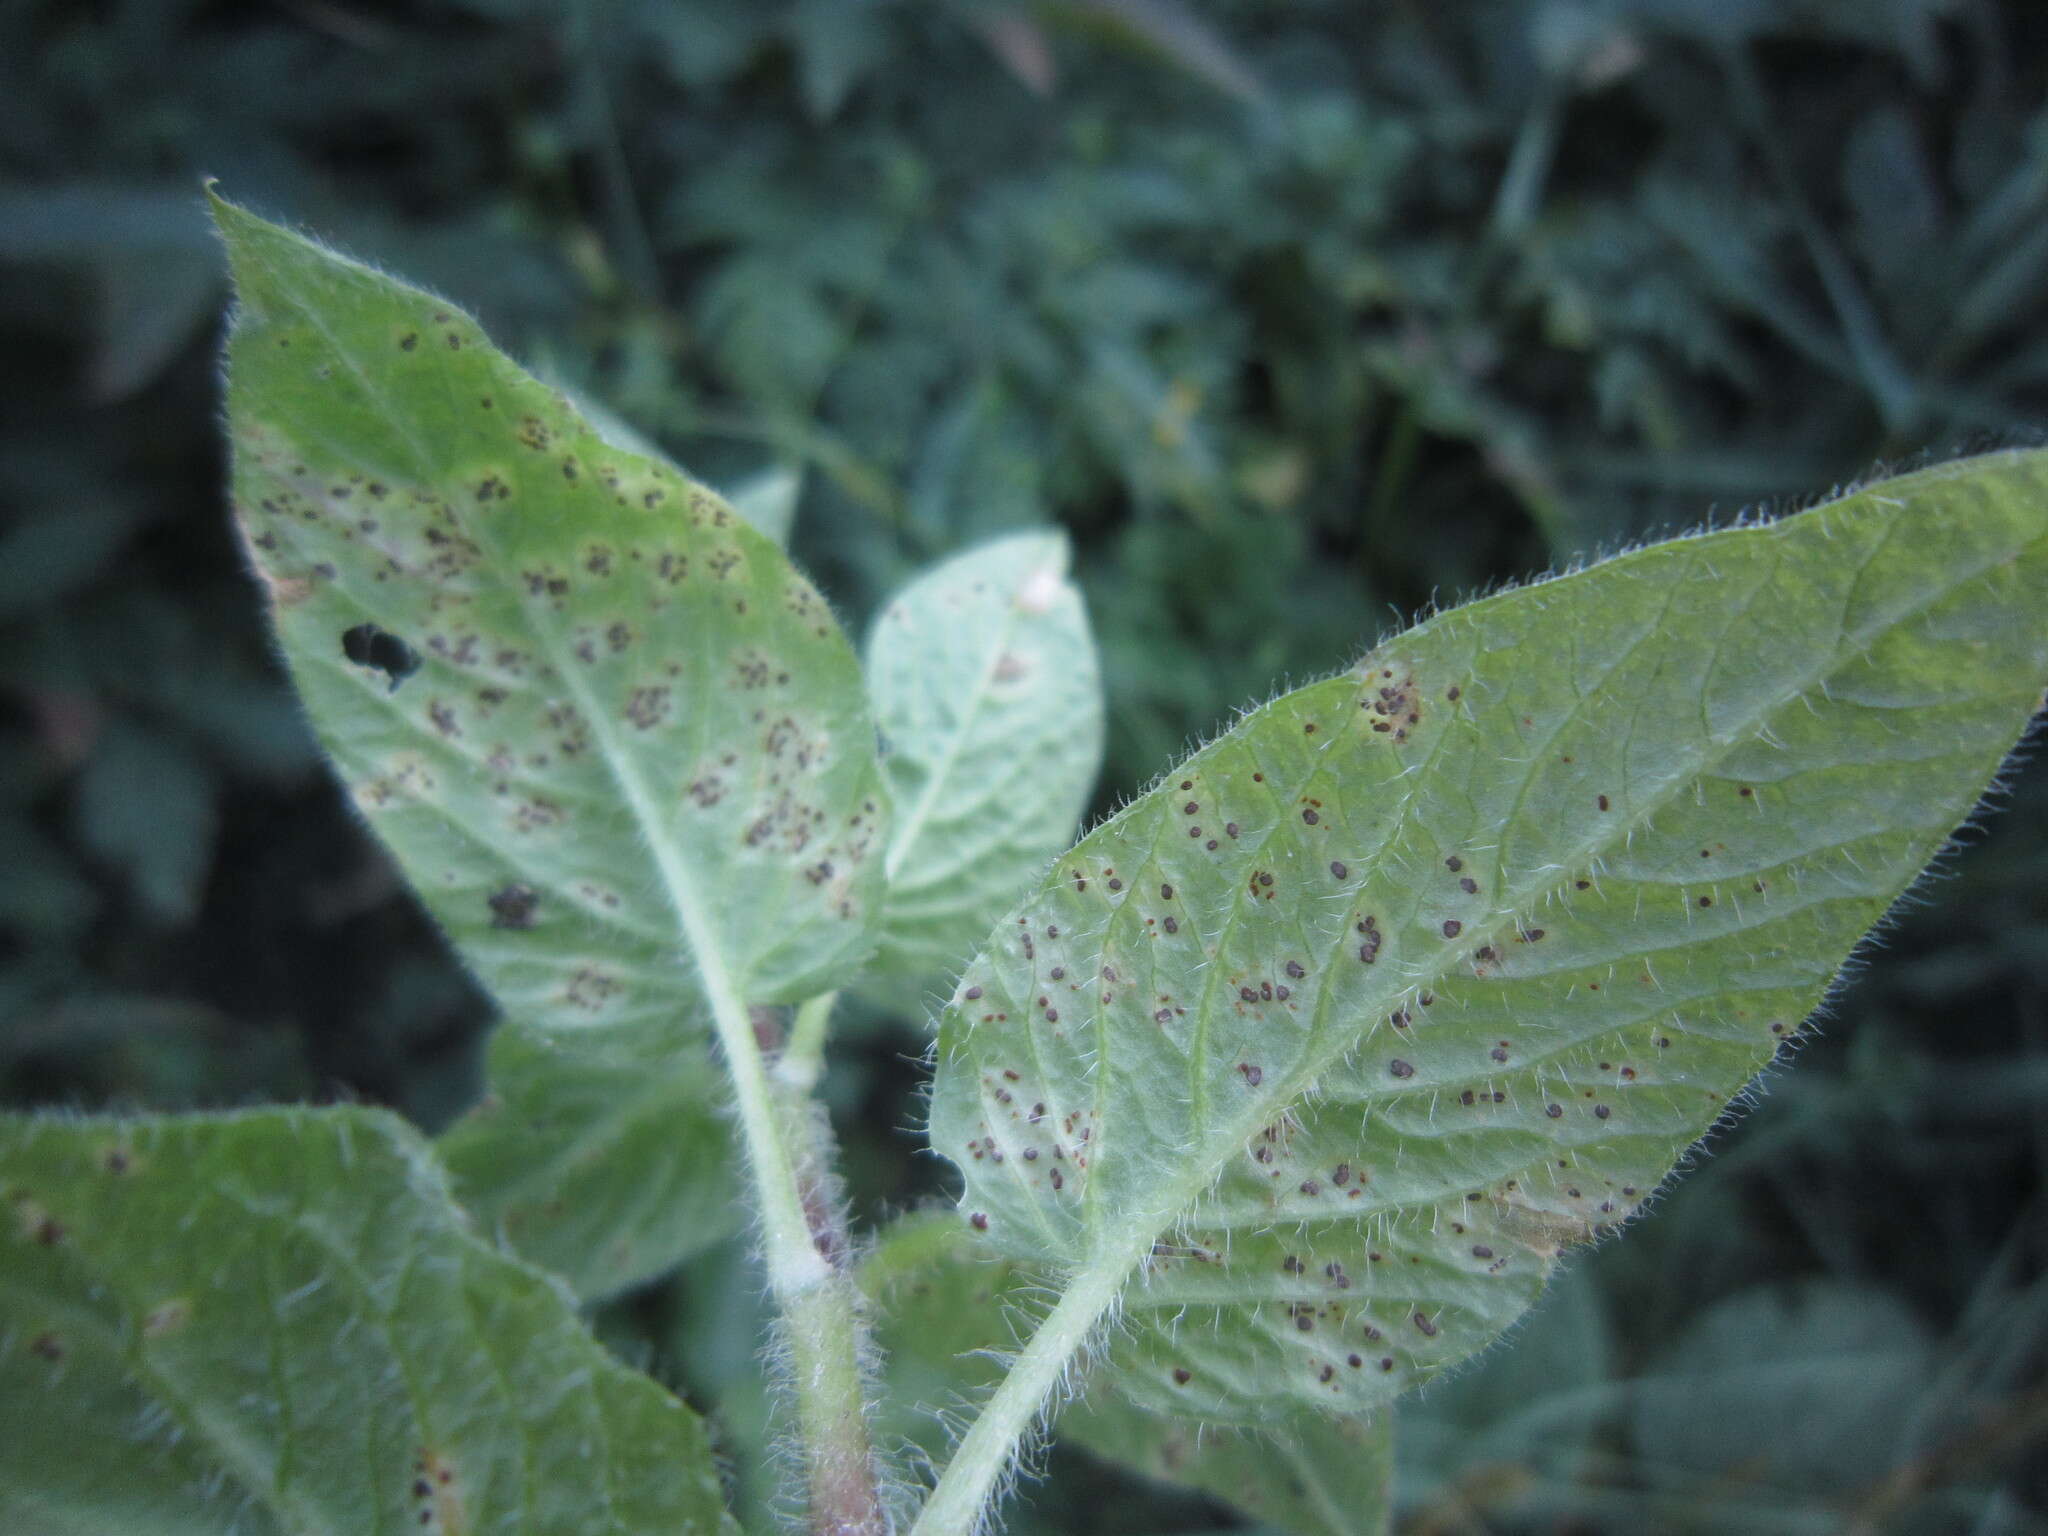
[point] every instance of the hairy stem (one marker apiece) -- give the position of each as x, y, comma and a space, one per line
824, 1332
827, 1338
802, 1062
957, 1505
803, 1248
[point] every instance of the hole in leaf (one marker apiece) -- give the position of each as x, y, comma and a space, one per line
368, 646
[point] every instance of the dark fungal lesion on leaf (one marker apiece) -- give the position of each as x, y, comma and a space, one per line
514, 907
367, 645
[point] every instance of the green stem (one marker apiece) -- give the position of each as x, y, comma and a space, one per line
824, 1332
1396, 467
803, 1248
820, 1320
615, 182
794, 1265
802, 1245
802, 1062
824, 1328
969, 1482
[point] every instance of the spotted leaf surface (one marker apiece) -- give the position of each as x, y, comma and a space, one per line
988, 695
616, 741
947, 1308
596, 1154
280, 1322
1332, 1042
766, 499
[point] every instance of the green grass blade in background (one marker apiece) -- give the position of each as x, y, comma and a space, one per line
1333, 1042
593, 1156
988, 695
280, 1321
948, 1310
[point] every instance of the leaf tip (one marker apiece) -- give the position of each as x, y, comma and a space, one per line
1046, 556
262, 255
240, 231
229, 218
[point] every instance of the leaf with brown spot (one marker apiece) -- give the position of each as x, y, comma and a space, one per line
481, 550
570, 646
947, 1308
280, 1321
1860, 669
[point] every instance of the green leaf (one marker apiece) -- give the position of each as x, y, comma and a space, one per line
1846, 1363
280, 1321
602, 1155
946, 1306
766, 499
153, 275
948, 1310
988, 697
1168, 30
617, 743
1303, 1472
836, 45
720, 1320
1320, 1053
46, 559
602, 722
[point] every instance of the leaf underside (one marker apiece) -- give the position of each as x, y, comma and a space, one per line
1419, 975
280, 1322
986, 689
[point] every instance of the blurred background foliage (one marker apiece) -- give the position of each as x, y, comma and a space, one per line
1299, 317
